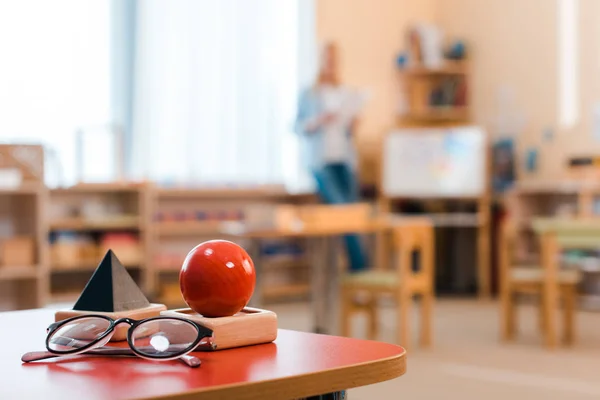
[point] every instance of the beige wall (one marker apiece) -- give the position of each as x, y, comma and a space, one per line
514, 44
370, 35
581, 139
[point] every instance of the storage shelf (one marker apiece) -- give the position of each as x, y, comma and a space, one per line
275, 262
278, 291
268, 263
100, 188
9, 272
221, 192
447, 68
64, 297
135, 206
287, 290
188, 228
168, 268
85, 266
27, 188
84, 224
438, 113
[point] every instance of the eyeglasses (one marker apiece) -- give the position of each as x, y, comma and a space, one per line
156, 338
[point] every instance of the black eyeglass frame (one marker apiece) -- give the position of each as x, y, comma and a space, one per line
203, 332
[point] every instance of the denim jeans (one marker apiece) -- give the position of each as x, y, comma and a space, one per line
336, 184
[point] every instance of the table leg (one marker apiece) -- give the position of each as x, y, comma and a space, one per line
325, 285
316, 248
332, 284
255, 253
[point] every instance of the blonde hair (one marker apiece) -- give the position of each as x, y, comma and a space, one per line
324, 52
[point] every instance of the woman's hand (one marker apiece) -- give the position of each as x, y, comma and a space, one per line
318, 122
327, 118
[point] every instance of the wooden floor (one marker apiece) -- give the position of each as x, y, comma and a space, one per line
467, 360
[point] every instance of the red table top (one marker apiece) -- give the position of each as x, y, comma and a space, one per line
296, 365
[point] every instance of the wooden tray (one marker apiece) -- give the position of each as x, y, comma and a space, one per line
248, 327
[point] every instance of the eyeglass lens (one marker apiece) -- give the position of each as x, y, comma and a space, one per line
77, 334
163, 337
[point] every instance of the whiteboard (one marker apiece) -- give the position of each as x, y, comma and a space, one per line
435, 162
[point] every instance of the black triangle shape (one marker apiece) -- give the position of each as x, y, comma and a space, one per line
111, 289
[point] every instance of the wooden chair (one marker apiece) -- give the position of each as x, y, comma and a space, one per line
410, 236
547, 281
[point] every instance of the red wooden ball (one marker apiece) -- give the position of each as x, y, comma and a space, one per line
217, 278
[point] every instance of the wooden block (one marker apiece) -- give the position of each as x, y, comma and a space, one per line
154, 310
248, 327
17, 251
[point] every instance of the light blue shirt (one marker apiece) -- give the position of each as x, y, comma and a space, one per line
310, 105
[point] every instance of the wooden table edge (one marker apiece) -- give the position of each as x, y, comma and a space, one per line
300, 386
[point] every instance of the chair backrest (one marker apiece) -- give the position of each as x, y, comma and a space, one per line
413, 236
507, 242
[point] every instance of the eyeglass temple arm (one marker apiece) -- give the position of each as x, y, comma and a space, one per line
42, 355
190, 361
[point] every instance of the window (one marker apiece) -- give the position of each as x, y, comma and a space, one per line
54, 74
206, 90
568, 62
216, 84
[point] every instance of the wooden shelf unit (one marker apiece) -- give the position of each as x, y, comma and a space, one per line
93, 210
184, 217
417, 82
184, 228
448, 67
22, 214
18, 272
275, 293
449, 83
67, 297
87, 265
120, 222
436, 114
25, 188
87, 213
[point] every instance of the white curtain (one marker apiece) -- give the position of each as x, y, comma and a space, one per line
54, 75
216, 86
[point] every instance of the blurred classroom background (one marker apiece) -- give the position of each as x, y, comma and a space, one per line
148, 127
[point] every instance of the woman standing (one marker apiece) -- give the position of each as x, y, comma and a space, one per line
325, 122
